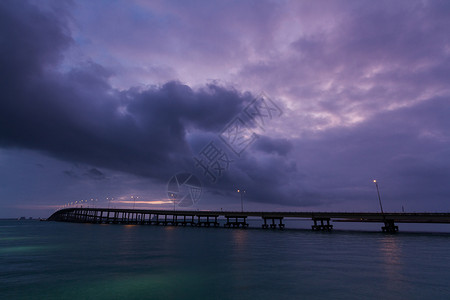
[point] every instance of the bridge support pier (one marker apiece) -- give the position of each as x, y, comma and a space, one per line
237, 222
322, 226
207, 222
389, 227
273, 225
184, 221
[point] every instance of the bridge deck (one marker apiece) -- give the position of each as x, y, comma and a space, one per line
207, 218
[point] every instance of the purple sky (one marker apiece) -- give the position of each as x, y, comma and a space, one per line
105, 99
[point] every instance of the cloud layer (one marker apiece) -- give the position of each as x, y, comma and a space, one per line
142, 87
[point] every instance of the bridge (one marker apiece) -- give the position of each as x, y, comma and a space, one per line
321, 220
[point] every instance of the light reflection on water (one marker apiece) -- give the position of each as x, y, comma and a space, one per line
75, 261
393, 264
22, 249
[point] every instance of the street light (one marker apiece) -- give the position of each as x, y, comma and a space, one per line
134, 203
172, 195
379, 198
109, 200
242, 192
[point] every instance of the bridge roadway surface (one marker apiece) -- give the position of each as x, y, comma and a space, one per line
417, 217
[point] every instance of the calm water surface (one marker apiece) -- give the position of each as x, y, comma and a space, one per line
49, 260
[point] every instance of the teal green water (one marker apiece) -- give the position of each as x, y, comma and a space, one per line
49, 260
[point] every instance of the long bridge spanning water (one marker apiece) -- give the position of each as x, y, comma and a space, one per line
321, 220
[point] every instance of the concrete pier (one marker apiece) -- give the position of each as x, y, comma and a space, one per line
324, 224
207, 220
389, 226
236, 221
272, 225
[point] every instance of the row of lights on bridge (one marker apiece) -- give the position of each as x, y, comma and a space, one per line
242, 192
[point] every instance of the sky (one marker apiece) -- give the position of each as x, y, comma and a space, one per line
301, 104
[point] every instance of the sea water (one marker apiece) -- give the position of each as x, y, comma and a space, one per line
51, 260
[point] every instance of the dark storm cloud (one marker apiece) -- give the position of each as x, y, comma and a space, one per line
272, 145
29, 40
271, 178
78, 117
369, 98
95, 174
78, 172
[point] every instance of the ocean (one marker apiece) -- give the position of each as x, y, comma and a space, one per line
52, 260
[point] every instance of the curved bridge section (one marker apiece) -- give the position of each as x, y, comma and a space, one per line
238, 219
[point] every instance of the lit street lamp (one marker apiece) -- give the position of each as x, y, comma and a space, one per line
379, 198
134, 203
172, 195
109, 201
242, 192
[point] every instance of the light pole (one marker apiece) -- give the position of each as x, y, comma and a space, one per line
174, 198
134, 202
242, 192
109, 201
379, 198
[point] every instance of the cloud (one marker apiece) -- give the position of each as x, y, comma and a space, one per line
78, 117
273, 145
406, 150
364, 58
364, 88
34, 39
204, 37
79, 172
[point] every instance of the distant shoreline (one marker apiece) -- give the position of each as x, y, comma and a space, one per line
20, 219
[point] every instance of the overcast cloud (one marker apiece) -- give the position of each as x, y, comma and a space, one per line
117, 97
